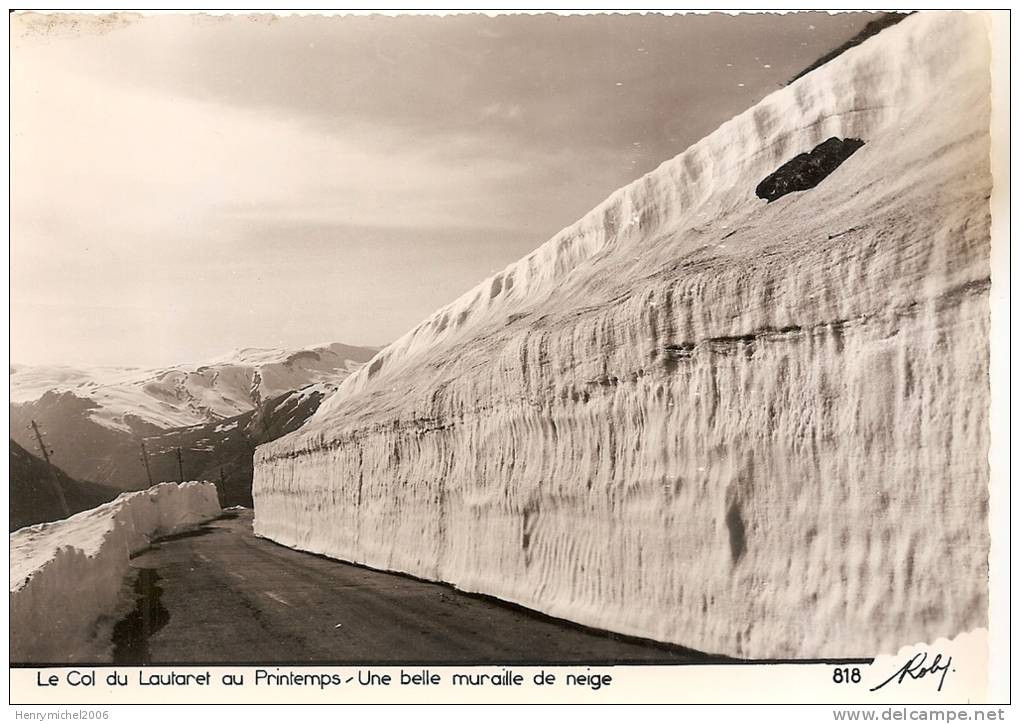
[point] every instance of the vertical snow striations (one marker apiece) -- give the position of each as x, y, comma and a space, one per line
757, 429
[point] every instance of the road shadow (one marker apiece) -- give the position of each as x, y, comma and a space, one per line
186, 534
131, 634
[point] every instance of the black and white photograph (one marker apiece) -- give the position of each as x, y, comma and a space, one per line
578, 356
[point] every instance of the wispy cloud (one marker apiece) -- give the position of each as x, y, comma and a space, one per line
151, 155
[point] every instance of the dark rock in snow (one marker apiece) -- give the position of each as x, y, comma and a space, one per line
807, 170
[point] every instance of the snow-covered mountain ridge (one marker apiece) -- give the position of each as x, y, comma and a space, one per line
182, 395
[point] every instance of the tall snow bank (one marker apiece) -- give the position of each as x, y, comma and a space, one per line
68, 577
757, 429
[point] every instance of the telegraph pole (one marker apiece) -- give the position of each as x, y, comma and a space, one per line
53, 472
145, 459
180, 465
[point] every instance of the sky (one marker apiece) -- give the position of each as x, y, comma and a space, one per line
185, 185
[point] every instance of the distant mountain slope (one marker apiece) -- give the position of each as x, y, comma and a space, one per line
32, 497
30, 382
221, 452
130, 399
94, 419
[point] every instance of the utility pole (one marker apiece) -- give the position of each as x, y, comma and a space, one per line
53, 472
180, 465
145, 459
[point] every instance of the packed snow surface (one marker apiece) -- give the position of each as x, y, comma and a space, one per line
190, 394
69, 578
757, 429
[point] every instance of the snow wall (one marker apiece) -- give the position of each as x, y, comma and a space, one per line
69, 579
755, 429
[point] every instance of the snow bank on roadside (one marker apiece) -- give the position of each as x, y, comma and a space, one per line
68, 577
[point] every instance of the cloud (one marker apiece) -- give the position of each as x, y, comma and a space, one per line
505, 111
186, 173
128, 165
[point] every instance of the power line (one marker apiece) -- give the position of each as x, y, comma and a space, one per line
145, 459
53, 472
